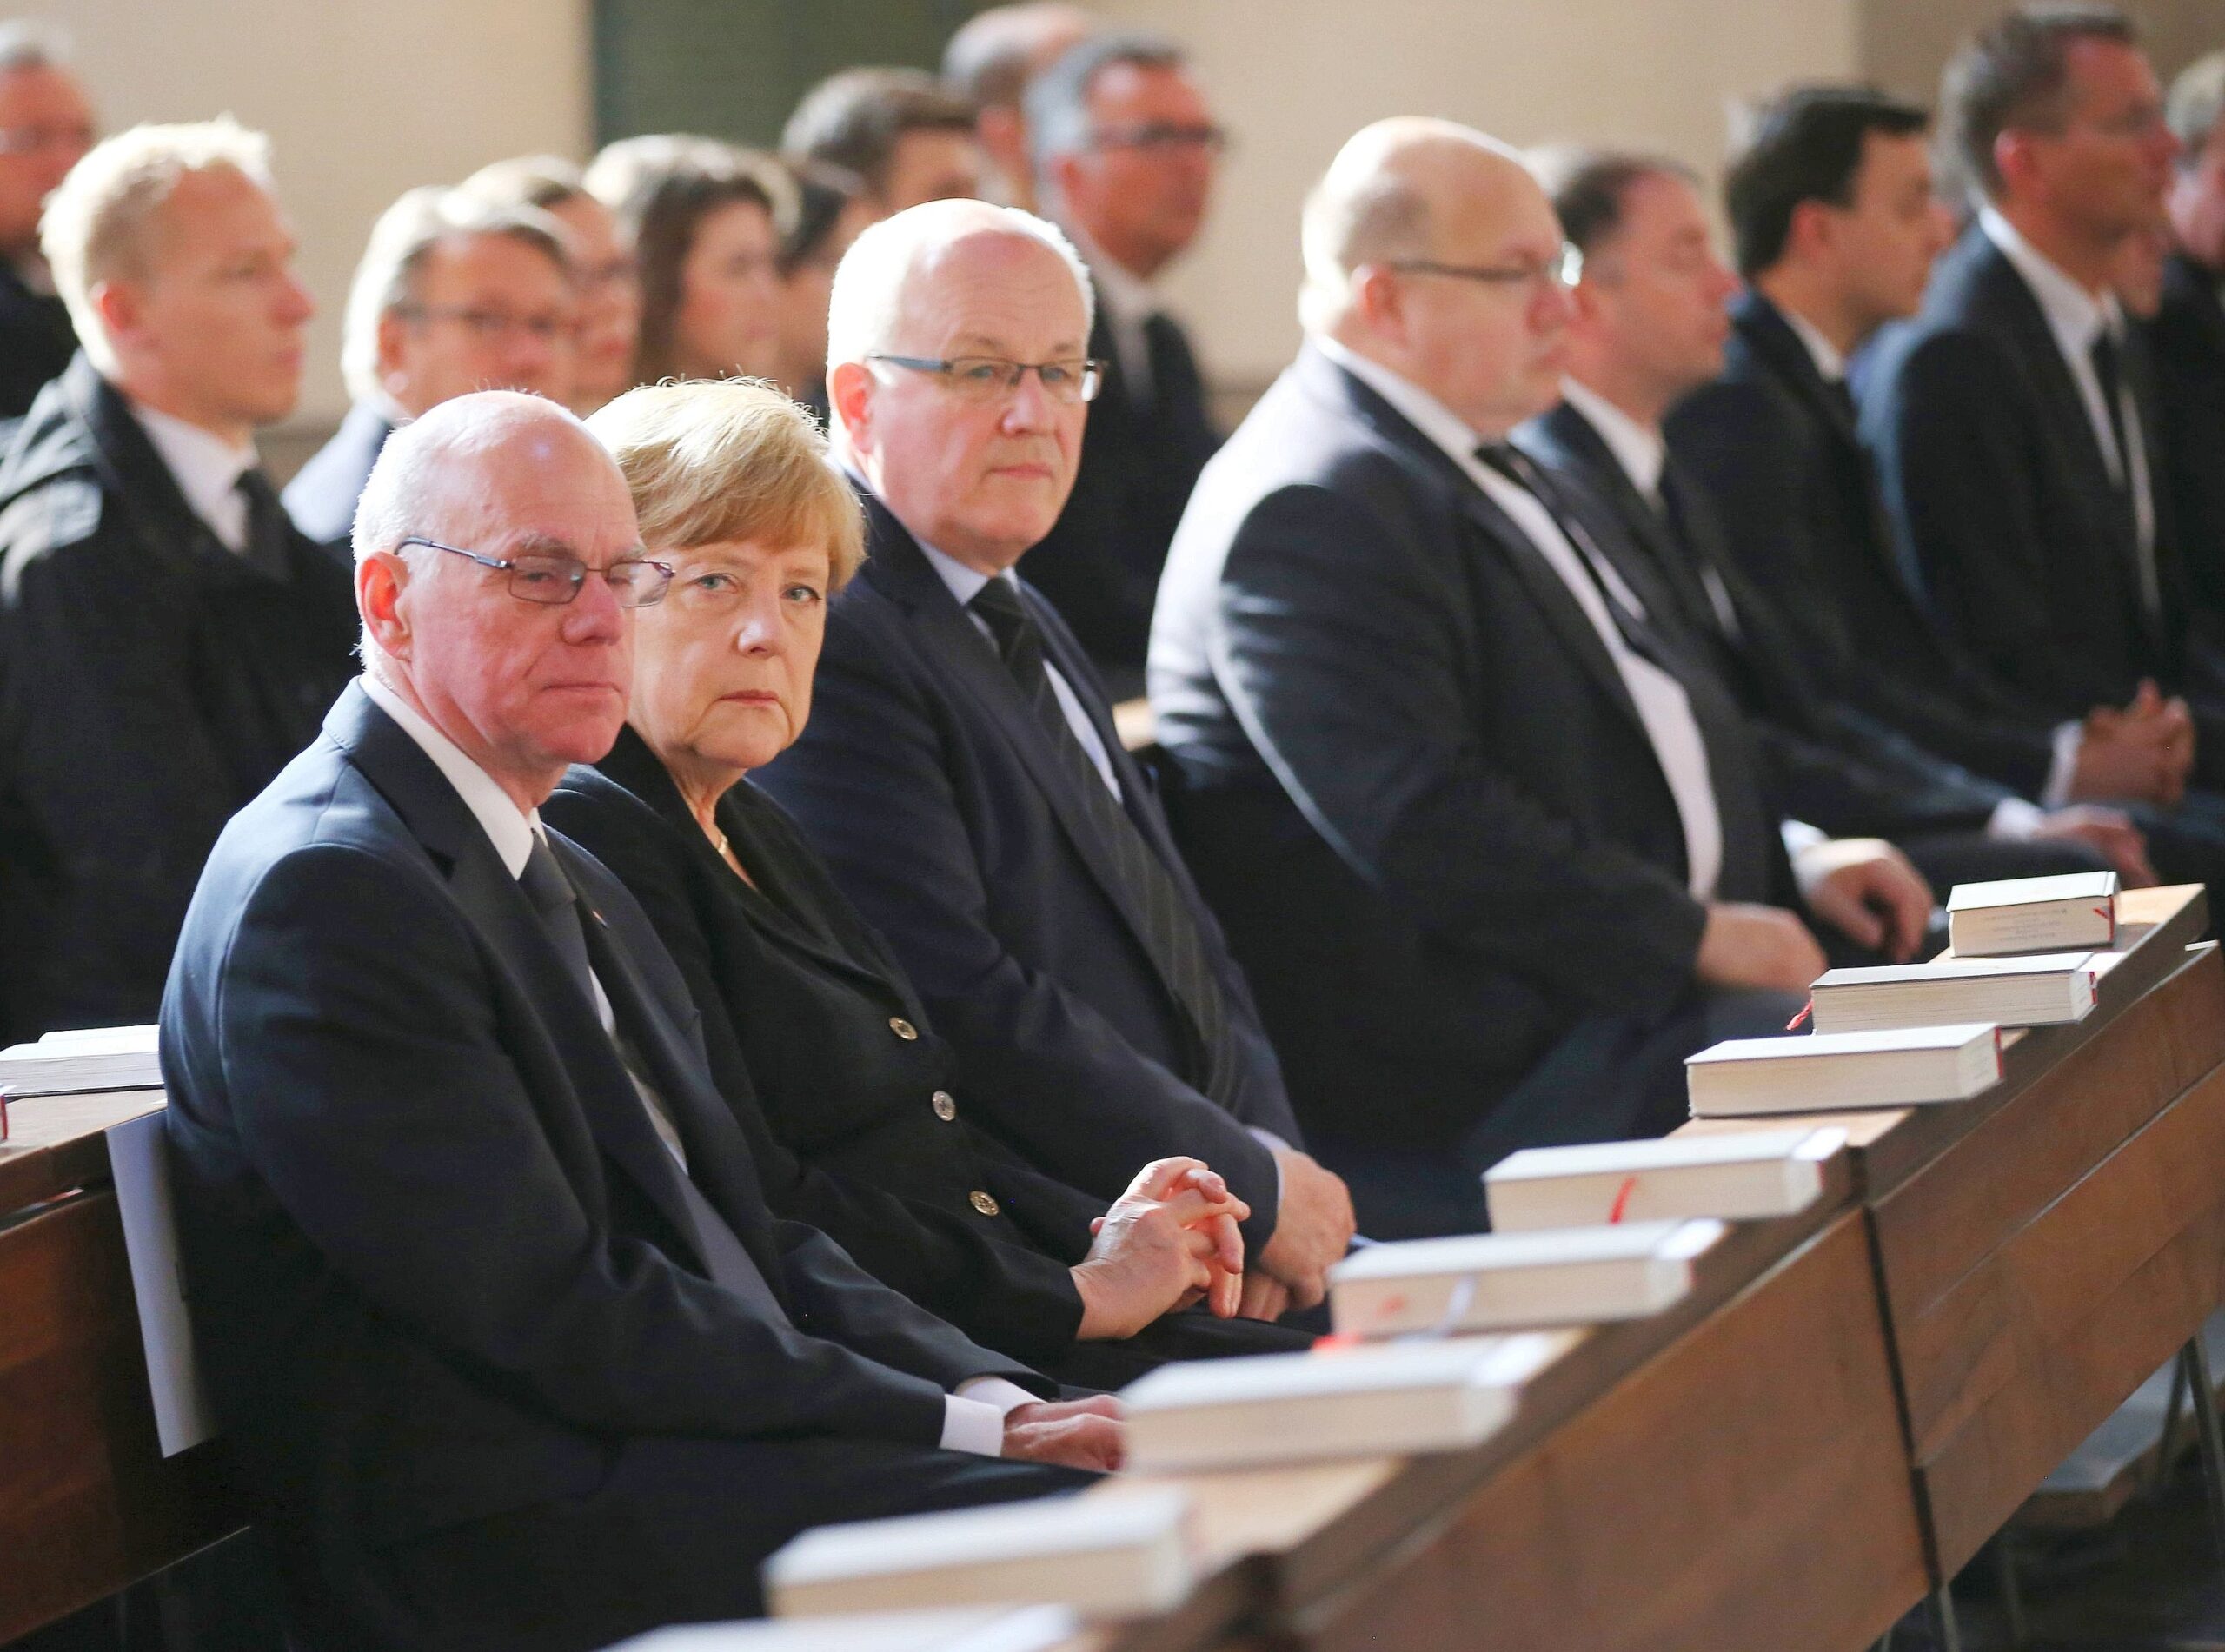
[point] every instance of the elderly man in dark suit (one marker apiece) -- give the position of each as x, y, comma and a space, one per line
513, 1352
961, 772
2015, 423
1496, 850
46, 126
167, 639
2188, 335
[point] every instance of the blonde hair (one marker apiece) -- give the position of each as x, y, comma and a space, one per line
97, 223
709, 460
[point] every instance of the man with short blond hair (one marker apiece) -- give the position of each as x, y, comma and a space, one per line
167, 639
45, 125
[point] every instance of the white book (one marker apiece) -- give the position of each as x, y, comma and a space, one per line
95, 1059
2043, 991
1834, 1071
995, 1628
1513, 1281
1370, 1400
1115, 1556
2078, 909
1747, 1176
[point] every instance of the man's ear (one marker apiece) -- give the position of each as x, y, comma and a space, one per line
1379, 299
1811, 229
120, 305
850, 386
381, 579
392, 326
2015, 157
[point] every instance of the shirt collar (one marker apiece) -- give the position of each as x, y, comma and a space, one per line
206, 465
964, 583
1642, 452
2074, 315
1424, 411
1825, 353
510, 829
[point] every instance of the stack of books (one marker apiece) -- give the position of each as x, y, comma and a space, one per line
1751, 1176
1028, 1628
2078, 912
1898, 1066
96, 1061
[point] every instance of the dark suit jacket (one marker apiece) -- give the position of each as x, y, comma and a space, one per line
1139, 459
1832, 767
2188, 347
35, 342
950, 818
440, 1262
151, 682
1796, 495
321, 497
1416, 787
1996, 487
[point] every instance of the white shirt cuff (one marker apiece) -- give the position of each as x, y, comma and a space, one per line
2068, 738
1799, 837
973, 1418
2015, 821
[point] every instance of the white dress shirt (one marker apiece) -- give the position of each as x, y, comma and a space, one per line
1831, 364
965, 584
1664, 709
973, 1418
208, 469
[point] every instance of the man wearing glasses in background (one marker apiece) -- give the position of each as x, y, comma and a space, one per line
1493, 849
45, 126
456, 292
167, 639
961, 774
1125, 153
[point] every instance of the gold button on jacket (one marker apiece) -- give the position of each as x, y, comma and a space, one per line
902, 1028
946, 1105
984, 1204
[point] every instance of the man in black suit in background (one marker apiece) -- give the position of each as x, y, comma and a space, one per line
1648, 327
1495, 849
45, 126
1125, 150
512, 1352
1836, 228
961, 772
456, 292
167, 639
2189, 336
2014, 423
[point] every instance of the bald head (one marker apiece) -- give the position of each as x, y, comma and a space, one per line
524, 685
1432, 250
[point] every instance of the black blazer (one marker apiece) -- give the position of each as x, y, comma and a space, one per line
1996, 487
151, 682
1415, 785
1796, 495
35, 342
1139, 459
1832, 767
2188, 347
950, 818
321, 497
440, 1262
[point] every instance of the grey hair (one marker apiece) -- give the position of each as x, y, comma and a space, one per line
32, 43
96, 222
2197, 104
869, 282
1056, 101
402, 241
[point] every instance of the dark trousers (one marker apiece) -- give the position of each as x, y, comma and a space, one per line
675, 1535
1952, 857
1610, 1079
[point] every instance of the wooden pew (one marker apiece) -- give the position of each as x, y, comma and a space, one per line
88, 1504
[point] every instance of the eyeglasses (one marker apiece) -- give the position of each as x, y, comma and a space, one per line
636, 581
1160, 137
984, 378
489, 325
1563, 271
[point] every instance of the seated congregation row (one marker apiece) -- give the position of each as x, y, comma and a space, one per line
710, 1029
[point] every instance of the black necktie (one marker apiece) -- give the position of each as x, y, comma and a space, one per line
2110, 370
1174, 380
1517, 467
1843, 399
1170, 933
267, 523
557, 905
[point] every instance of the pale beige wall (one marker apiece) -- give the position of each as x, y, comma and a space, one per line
362, 101
1294, 78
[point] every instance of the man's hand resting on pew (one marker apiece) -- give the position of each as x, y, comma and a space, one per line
1171, 1239
2142, 753
1313, 1229
1865, 888
1765, 948
1074, 1434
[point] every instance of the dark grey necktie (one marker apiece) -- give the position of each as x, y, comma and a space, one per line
1170, 933
1517, 467
267, 524
557, 905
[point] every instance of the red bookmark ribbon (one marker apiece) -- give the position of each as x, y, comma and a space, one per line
1621, 1200
1800, 1020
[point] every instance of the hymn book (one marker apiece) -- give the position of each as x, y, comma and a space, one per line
2043, 991
2076, 910
1475, 1281
1376, 1399
1747, 1176
1103, 1557
1834, 1071
95, 1059
1026, 1629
